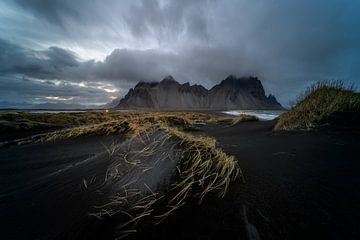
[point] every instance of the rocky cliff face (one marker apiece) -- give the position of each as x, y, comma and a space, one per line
231, 93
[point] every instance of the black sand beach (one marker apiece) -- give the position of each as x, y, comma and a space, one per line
179, 120
43, 194
296, 185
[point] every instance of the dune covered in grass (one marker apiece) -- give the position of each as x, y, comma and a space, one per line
23, 121
200, 159
155, 173
72, 125
322, 103
157, 169
161, 175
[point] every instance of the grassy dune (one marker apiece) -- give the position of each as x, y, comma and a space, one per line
72, 125
22, 121
322, 103
201, 167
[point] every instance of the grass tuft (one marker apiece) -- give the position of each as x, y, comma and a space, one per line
202, 169
243, 118
326, 102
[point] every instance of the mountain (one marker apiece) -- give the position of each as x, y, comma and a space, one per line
111, 104
232, 93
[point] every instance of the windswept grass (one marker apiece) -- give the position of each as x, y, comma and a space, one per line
106, 128
22, 121
243, 118
322, 103
106, 123
202, 169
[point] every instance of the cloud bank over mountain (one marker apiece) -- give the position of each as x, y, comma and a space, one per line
91, 52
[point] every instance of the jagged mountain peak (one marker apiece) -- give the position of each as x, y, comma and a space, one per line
145, 84
231, 93
234, 80
169, 79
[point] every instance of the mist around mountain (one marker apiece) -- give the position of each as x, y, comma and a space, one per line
111, 104
230, 94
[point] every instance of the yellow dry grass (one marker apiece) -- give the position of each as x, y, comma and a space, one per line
129, 123
202, 167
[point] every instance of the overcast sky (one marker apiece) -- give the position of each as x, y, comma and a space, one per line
91, 52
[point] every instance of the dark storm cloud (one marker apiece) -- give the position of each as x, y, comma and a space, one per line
149, 17
29, 75
144, 17
288, 44
46, 64
20, 89
54, 11
61, 57
58, 63
135, 65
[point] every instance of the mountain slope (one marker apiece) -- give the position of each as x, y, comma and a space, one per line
231, 93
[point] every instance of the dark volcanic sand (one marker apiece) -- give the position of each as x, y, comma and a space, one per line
42, 195
48, 189
300, 185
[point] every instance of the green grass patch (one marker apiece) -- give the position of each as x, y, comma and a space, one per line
327, 102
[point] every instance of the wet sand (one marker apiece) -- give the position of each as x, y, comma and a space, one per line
298, 185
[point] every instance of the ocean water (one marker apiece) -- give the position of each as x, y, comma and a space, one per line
261, 114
